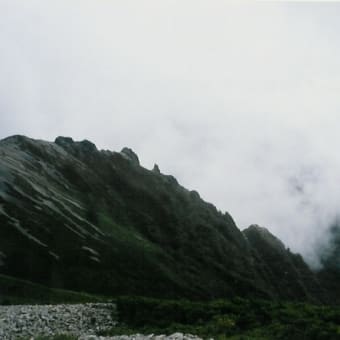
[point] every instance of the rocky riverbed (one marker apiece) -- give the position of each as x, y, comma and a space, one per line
31, 321
81, 320
175, 336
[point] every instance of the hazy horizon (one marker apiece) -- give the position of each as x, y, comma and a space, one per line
238, 101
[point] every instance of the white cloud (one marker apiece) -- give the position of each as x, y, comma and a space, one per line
239, 101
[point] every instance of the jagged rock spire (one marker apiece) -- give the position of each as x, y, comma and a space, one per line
130, 155
156, 169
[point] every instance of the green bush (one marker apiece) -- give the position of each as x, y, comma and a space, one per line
236, 318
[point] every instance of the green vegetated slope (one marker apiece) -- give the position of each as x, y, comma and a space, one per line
329, 274
17, 291
236, 318
288, 271
73, 217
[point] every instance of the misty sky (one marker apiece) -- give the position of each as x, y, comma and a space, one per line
239, 101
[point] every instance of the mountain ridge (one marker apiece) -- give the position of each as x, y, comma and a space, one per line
71, 213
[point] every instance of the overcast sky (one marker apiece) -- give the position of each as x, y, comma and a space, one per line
240, 102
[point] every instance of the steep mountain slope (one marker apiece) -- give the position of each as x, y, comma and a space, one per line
77, 218
286, 270
329, 274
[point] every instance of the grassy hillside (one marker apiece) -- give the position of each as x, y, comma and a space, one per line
16, 291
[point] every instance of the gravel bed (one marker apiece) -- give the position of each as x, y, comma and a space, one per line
175, 336
30, 321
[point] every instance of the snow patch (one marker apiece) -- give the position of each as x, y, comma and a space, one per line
54, 208
76, 204
22, 193
95, 259
25, 232
92, 251
2, 258
80, 218
16, 223
57, 257
75, 231
2, 211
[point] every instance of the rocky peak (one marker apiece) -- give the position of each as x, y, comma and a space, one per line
156, 169
195, 195
255, 231
14, 139
130, 155
87, 146
64, 141
69, 144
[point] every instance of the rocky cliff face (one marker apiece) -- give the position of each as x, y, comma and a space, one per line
74, 217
